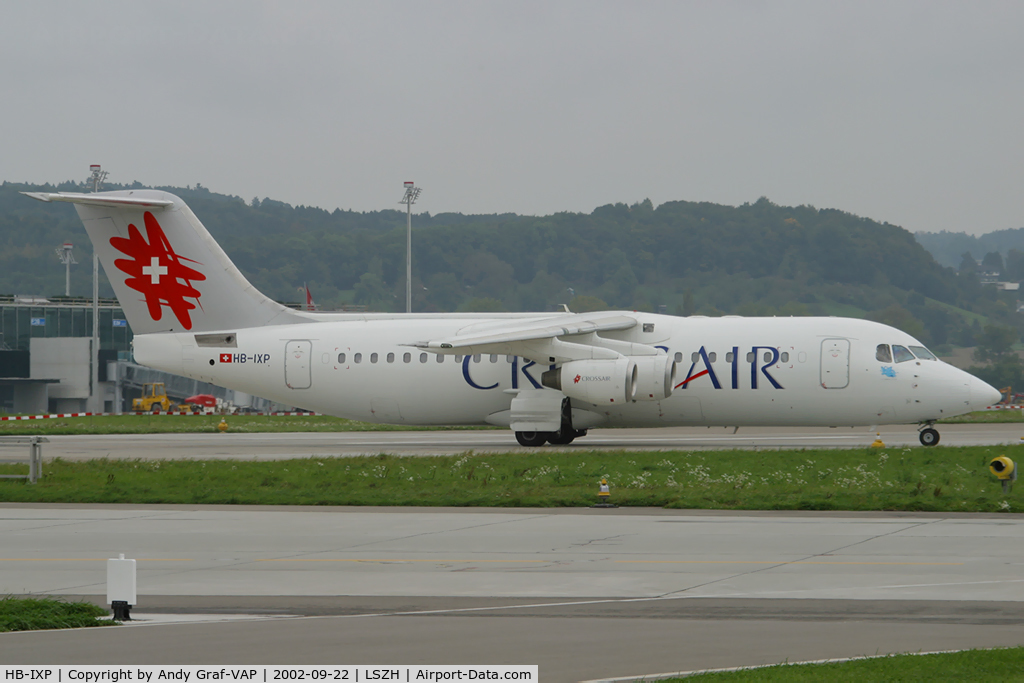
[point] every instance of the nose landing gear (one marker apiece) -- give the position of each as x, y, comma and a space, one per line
928, 435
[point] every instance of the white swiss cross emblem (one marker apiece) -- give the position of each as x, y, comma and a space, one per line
154, 270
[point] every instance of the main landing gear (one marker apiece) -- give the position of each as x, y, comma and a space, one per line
560, 438
928, 435
563, 437
532, 439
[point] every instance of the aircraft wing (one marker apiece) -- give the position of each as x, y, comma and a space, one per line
544, 339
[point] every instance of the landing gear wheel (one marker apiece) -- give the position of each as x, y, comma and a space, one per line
532, 439
566, 437
562, 438
929, 437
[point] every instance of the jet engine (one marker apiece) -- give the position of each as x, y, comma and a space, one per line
655, 377
601, 382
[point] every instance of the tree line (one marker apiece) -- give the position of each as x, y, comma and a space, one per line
680, 257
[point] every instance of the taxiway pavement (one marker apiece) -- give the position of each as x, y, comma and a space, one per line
276, 446
583, 593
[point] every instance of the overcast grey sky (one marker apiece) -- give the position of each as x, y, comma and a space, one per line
906, 112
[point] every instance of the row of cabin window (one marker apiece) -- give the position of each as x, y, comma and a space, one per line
424, 357
902, 353
713, 357
882, 353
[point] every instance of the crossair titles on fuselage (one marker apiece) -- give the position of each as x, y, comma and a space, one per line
522, 367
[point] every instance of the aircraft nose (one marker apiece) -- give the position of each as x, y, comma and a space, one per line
983, 394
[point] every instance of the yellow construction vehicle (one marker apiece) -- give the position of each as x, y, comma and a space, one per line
154, 399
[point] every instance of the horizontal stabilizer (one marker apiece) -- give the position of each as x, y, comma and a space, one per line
99, 200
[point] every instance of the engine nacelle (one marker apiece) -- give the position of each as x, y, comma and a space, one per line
655, 377
601, 382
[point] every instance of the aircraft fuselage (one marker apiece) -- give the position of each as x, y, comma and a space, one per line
731, 371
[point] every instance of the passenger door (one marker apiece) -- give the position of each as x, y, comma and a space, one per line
835, 363
296, 364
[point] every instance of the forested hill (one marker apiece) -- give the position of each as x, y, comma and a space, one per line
948, 248
688, 257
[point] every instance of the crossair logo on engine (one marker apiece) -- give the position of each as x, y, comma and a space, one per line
591, 378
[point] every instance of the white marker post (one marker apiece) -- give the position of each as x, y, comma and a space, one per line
121, 587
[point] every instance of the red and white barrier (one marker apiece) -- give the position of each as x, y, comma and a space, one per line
60, 415
47, 417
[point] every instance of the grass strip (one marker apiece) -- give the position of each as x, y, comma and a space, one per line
147, 423
942, 479
31, 614
1002, 665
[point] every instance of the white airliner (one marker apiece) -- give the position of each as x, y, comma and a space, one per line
548, 376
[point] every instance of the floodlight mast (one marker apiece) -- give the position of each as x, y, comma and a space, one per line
67, 258
411, 194
96, 176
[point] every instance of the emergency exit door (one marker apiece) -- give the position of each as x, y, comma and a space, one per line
835, 363
296, 364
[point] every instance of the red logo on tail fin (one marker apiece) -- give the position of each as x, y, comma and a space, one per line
157, 272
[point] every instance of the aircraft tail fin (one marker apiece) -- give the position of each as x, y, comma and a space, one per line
167, 271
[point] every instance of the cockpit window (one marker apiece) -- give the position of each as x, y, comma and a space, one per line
901, 353
882, 353
923, 353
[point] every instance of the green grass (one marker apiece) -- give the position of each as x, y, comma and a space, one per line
28, 614
970, 316
1002, 665
183, 424
947, 479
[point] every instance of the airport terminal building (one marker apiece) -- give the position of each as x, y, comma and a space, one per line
46, 360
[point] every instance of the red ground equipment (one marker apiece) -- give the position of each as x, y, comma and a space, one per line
204, 400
